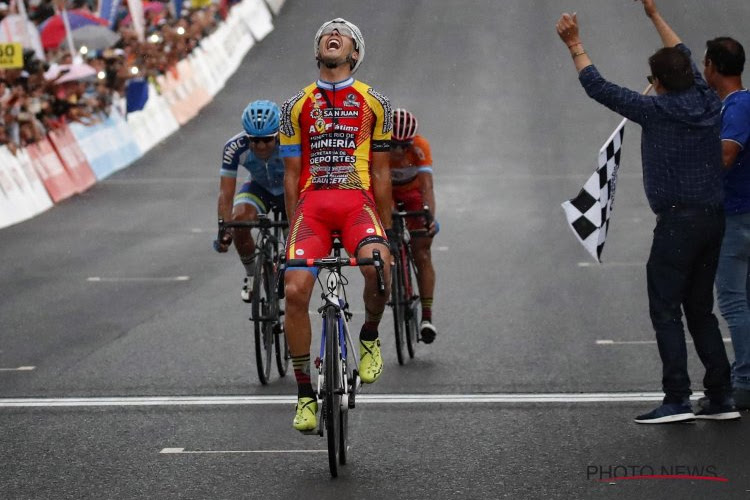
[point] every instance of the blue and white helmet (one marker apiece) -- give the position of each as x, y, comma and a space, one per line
346, 28
261, 118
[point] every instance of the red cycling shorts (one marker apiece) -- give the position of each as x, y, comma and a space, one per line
351, 212
413, 202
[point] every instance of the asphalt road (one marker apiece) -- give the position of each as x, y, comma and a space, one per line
117, 293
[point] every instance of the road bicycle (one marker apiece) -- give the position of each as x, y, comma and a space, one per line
404, 290
338, 377
266, 309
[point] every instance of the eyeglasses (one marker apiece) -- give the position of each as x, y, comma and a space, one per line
651, 79
256, 140
401, 144
342, 28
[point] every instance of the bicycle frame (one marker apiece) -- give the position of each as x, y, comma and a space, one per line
334, 297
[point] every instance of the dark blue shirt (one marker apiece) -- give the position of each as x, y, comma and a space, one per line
735, 127
680, 145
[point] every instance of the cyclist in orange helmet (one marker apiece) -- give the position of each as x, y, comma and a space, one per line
411, 176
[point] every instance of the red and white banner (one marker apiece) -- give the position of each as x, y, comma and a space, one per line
51, 171
72, 158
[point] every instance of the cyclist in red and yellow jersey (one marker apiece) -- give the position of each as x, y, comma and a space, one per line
335, 137
411, 174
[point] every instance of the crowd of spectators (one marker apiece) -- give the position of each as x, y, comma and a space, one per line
32, 104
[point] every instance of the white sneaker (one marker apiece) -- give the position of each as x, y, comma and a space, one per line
246, 293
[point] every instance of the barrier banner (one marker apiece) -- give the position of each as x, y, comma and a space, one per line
21, 197
153, 124
37, 190
51, 171
72, 158
259, 19
8, 210
275, 6
107, 146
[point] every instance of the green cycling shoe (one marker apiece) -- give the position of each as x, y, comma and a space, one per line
370, 361
305, 419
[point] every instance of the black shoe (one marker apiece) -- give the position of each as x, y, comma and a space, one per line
718, 411
741, 398
668, 414
427, 332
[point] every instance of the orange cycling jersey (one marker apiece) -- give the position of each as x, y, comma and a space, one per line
406, 166
334, 127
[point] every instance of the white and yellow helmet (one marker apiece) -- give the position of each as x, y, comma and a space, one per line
346, 28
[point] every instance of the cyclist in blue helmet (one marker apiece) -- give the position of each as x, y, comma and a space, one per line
257, 149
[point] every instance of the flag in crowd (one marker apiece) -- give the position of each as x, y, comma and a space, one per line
589, 213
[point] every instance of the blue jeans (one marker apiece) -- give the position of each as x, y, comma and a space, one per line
733, 291
680, 272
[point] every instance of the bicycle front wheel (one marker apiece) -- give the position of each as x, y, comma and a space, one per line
332, 397
261, 309
397, 304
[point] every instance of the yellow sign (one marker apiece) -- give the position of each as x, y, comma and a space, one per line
11, 55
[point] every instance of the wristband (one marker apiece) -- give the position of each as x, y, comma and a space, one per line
574, 44
578, 54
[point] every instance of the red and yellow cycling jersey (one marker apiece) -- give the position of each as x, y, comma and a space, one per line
334, 128
408, 163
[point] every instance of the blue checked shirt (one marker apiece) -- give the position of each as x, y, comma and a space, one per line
680, 145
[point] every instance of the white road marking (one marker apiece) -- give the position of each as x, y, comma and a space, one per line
640, 342
19, 369
442, 249
197, 230
597, 397
611, 264
100, 279
160, 180
182, 451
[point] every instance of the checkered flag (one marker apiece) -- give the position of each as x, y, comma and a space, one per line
588, 213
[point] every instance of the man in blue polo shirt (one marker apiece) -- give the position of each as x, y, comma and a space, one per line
723, 64
681, 157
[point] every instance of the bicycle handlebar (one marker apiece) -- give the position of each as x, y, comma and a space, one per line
336, 262
425, 212
262, 222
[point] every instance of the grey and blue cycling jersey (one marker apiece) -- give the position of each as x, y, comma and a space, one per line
267, 173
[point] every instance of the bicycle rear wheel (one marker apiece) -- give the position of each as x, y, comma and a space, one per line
397, 304
411, 305
332, 397
261, 308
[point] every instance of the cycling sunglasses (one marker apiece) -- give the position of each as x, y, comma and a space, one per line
256, 140
401, 144
343, 29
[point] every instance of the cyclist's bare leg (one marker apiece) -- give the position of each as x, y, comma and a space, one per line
421, 250
298, 287
375, 301
243, 240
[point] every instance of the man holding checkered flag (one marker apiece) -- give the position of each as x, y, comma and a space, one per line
681, 157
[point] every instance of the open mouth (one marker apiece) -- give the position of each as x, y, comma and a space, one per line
333, 44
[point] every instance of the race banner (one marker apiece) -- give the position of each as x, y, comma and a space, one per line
589, 213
